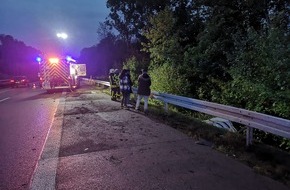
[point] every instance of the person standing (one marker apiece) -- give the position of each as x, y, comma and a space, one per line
116, 77
125, 87
113, 84
143, 92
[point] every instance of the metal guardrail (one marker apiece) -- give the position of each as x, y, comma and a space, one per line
251, 119
93, 81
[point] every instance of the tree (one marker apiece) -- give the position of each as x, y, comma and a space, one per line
225, 22
110, 52
104, 31
166, 66
135, 66
163, 41
261, 74
130, 17
17, 58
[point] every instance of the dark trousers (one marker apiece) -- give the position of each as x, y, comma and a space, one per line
115, 93
125, 99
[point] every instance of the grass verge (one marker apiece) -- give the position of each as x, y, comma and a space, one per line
264, 159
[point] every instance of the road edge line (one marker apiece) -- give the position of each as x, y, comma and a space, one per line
44, 175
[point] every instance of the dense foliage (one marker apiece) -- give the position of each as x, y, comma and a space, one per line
231, 52
17, 59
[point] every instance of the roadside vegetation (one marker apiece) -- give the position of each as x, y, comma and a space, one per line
229, 52
264, 159
17, 59
235, 53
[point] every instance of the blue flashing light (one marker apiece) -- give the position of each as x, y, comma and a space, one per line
38, 59
70, 59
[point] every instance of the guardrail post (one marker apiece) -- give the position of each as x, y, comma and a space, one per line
166, 107
135, 97
90, 80
249, 136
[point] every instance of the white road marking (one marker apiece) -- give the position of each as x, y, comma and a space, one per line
44, 176
4, 99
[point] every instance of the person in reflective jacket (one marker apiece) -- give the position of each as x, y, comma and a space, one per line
143, 92
117, 80
114, 83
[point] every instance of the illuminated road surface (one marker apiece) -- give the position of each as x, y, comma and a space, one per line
25, 117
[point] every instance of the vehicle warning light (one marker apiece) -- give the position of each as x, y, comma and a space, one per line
54, 60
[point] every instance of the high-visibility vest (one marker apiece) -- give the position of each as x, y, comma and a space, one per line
114, 80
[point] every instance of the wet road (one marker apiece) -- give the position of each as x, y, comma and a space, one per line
25, 118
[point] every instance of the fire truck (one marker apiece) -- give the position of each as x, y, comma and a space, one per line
60, 74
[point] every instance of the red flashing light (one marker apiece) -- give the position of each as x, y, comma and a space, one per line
54, 60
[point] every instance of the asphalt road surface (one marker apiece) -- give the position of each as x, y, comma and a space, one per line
26, 115
94, 144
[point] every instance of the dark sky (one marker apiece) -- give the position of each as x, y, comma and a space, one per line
36, 23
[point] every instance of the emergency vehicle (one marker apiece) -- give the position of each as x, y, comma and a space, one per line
56, 73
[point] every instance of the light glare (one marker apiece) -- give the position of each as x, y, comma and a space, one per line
70, 59
62, 35
54, 60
